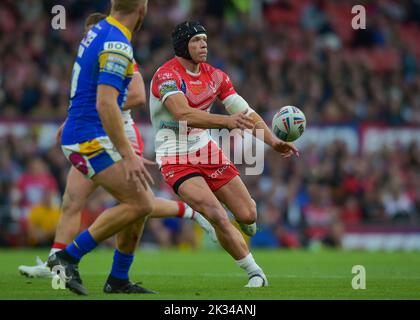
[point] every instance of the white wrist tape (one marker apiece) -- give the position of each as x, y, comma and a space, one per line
235, 103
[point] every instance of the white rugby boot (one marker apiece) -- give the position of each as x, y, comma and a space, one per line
40, 270
257, 280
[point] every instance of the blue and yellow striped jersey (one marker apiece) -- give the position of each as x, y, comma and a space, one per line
105, 56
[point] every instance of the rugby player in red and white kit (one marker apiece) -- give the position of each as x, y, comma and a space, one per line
78, 188
184, 89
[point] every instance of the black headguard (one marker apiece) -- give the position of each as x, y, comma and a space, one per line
182, 35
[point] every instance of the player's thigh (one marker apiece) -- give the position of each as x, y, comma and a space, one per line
236, 197
113, 179
78, 189
198, 195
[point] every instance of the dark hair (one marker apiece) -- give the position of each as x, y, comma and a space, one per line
93, 19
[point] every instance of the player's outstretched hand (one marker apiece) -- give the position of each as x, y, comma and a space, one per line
136, 171
240, 121
286, 149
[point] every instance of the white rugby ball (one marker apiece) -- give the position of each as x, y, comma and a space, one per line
289, 123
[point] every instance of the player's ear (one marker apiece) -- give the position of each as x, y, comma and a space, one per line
143, 8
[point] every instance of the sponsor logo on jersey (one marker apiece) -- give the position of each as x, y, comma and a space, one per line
213, 87
89, 37
170, 174
118, 46
116, 64
165, 76
167, 87
196, 87
220, 171
172, 125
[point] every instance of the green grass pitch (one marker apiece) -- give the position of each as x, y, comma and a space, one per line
213, 275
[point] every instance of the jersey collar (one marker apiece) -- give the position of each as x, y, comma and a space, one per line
114, 22
188, 71
193, 74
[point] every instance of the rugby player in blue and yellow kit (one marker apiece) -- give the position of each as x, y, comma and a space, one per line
94, 141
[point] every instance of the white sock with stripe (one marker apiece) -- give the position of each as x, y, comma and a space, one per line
249, 265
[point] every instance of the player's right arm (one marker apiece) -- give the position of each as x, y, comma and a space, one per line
178, 106
114, 67
167, 88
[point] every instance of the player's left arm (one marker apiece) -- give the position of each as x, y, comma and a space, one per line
234, 103
136, 96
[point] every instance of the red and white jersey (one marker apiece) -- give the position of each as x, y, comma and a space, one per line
200, 89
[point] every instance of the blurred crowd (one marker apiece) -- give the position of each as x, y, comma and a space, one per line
277, 52
304, 53
300, 201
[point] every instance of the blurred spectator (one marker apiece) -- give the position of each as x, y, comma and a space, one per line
42, 221
351, 213
33, 184
321, 217
35, 187
373, 209
398, 205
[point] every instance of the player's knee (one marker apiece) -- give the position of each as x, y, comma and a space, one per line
249, 214
213, 212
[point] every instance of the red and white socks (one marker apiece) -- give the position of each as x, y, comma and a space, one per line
185, 212
57, 246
